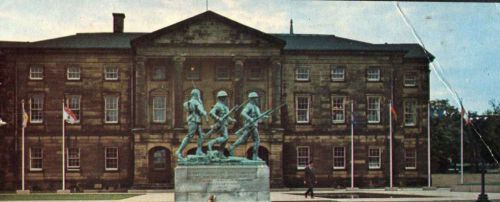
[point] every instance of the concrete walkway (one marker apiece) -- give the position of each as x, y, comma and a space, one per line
434, 195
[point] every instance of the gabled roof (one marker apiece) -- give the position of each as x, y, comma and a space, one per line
206, 15
289, 42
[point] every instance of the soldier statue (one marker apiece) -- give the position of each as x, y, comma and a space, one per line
220, 114
251, 114
194, 107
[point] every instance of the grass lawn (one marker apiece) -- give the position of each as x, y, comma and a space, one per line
39, 196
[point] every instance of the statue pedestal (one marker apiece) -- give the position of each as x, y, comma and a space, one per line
232, 179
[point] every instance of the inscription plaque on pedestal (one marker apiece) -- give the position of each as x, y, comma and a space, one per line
225, 182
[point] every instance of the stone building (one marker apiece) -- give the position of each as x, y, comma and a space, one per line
127, 90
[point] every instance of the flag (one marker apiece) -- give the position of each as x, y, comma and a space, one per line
25, 115
393, 111
25, 119
69, 116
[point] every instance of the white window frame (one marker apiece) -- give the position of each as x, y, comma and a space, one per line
379, 157
410, 112
69, 158
335, 109
38, 107
32, 158
410, 82
155, 108
370, 108
109, 72
76, 110
36, 75
407, 158
106, 158
219, 70
73, 73
299, 157
107, 110
335, 157
302, 73
337, 76
373, 74
308, 114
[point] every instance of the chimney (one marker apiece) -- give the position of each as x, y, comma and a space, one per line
118, 22
291, 26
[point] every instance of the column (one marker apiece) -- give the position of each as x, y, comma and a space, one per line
239, 96
178, 91
140, 92
276, 87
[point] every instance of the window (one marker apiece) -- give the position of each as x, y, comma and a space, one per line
159, 109
373, 109
73, 73
410, 79
222, 73
410, 112
302, 108
111, 158
36, 72
111, 109
73, 102
338, 109
302, 157
36, 159
159, 159
36, 109
193, 72
373, 74
374, 158
338, 157
302, 73
338, 73
159, 73
255, 73
73, 162
111, 73
410, 159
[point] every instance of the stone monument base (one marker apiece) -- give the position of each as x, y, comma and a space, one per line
230, 179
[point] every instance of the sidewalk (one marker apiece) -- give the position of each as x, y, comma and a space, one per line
435, 195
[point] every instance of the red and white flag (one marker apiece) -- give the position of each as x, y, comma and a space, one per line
69, 116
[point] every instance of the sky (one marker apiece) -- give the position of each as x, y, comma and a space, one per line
464, 37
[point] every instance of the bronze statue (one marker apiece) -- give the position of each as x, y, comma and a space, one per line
220, 113
195, 108
251, 114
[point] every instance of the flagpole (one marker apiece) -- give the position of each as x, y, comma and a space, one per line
352, 144
62, 147
22, 148
390, 145
429, 144
462, 145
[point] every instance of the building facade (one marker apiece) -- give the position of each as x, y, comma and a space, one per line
127, 91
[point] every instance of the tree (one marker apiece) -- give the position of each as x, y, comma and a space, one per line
445, 136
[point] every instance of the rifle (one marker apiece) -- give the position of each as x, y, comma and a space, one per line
251, 123
223, 118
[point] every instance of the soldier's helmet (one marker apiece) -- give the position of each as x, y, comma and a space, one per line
252, 94
221, 94
195, 92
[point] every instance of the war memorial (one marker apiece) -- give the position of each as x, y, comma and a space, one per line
214, 175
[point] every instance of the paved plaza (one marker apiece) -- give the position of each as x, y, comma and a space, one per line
297, 195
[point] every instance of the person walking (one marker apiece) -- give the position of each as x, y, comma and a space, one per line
310, 179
